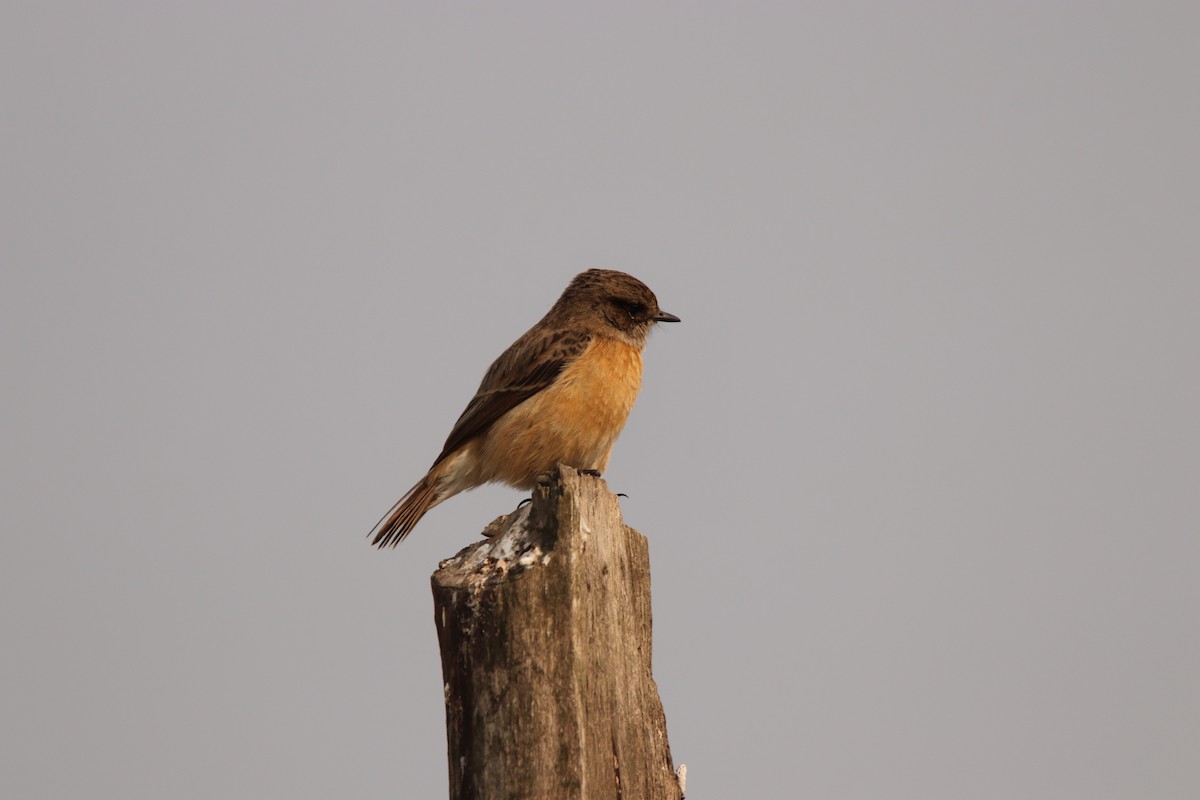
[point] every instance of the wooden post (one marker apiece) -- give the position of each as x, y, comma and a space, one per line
545, 638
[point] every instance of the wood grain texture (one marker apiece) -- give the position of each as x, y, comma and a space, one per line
545, 640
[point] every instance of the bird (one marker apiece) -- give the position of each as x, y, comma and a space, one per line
560, 394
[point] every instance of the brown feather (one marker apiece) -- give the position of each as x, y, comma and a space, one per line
407, 512
530, 365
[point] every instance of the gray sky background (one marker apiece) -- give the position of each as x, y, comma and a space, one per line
919, 468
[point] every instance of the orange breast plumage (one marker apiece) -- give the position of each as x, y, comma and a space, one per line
575, 421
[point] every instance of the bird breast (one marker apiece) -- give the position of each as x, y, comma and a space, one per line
575, 421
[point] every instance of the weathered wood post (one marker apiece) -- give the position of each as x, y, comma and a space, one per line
545, 638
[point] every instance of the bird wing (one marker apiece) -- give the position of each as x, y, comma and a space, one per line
531, 364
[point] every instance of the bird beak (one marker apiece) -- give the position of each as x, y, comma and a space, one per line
663, 316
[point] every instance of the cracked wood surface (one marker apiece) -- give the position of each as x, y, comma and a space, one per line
545, 640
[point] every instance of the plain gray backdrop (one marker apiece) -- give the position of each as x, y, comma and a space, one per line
919, 468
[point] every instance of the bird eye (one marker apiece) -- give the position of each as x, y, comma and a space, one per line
634, 310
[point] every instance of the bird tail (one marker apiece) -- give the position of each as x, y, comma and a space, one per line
401, 518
